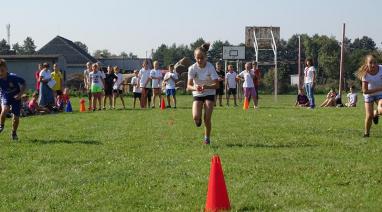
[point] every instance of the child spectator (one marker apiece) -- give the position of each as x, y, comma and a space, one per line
34, 108
169, 80
156, 82
248, 86
302, 99
352, 98
231, 82
136, 88
117, 87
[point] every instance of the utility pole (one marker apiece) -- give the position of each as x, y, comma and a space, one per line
342, 62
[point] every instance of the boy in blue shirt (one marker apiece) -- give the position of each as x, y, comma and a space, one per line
12, 88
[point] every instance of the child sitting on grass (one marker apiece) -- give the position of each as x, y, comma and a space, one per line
302, 99
352, 98
34, 108
330, 100
24, 105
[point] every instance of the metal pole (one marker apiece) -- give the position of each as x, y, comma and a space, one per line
299, 62
342, 62
225, 81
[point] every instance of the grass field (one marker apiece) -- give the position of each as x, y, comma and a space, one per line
276, 158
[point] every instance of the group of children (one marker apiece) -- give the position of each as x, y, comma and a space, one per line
101, 85
332, 99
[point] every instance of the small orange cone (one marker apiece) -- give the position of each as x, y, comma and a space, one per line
246, 104
217, 196
82, 105
162, 104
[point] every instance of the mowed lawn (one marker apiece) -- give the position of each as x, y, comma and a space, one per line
276, 158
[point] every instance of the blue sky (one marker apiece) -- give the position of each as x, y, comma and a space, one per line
139, 26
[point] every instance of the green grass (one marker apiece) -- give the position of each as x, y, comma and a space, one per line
276, 158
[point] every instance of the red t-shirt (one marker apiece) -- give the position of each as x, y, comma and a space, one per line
256, 80
37, 77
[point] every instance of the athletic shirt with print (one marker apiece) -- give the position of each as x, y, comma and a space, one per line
118, 83
96, 78
203, 76
135, 83
231, 79
248, 78
309, 74
144, 75
170, 83
373, 81
45, 74
156, 83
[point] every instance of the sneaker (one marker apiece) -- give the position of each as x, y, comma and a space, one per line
366, 135
174, 107
376, 119
207, 141
14, 136
1, 128
168, 106
104, 108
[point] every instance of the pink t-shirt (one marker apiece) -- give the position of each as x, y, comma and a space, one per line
32, 105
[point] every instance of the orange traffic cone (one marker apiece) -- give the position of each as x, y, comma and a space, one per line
82, 105
217, 196
246, 104
162, 104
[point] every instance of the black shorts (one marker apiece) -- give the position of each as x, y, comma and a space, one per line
220, 91
149, 92
232, 91
58, 92
204, 98
137, 95
117, 91
108, 92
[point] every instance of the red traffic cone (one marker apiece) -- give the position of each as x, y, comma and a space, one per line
217, 196
246, 104
82, 105
162, 104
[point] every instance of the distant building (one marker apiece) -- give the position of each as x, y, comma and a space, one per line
127, 65
76, 57
25, 66
294, 79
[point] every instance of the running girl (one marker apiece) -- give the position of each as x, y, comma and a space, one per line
371, 74
203, 82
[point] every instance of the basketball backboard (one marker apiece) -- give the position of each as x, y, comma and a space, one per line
262, 37
233, 52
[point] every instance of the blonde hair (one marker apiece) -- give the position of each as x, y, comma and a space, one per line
115, 68
361, 72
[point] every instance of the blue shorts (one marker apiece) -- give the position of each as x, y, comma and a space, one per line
14, 104
170, 92
371, 99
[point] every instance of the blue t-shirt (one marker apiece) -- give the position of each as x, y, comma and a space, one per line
10, 86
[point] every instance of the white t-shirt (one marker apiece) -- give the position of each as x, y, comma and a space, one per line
309, 74
135, 83
45, 74
144, 75
248, 78
96, 78
374, 81
352, 98
231, 79
203, 76
156, 83
118, 84
171, 77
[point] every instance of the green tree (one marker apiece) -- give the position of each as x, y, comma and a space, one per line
29, 47
4, 47
82, 46
19, 50
104, 53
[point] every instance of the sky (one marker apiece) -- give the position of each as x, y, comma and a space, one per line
139, 26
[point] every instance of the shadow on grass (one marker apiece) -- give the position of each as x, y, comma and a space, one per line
258, 145
63, 141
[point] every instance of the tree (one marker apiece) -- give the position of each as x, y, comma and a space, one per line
104, 53
29, 47
18, 49
82, 46
216, 52
197, 43
4, 47
365, 43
